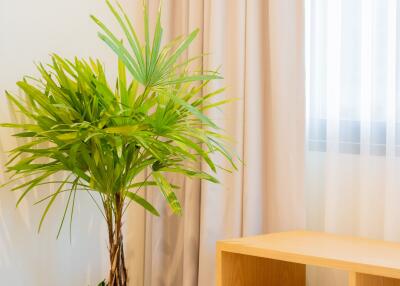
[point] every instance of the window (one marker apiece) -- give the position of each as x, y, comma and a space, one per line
353, 76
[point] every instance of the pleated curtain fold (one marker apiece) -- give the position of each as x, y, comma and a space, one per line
259, 46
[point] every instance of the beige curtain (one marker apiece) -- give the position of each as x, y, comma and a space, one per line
259, 45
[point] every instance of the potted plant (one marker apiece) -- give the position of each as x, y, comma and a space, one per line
100, 137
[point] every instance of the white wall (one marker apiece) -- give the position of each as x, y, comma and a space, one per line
29, 31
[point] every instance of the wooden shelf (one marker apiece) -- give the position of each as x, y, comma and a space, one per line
280, 259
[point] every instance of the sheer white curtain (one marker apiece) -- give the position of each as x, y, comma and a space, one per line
353, 116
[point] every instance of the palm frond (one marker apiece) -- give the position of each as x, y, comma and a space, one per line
106, 135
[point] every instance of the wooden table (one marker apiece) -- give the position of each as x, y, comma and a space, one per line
280, 259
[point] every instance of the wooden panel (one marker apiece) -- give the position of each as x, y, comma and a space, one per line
352, 278
241, 270
372, 280
321, 249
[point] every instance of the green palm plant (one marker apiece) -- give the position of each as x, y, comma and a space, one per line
101, 139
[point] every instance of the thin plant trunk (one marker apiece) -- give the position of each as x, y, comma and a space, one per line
118, 274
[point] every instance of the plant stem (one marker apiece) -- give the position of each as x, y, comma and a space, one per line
118, 274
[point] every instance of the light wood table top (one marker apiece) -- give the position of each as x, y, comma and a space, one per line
321, 249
